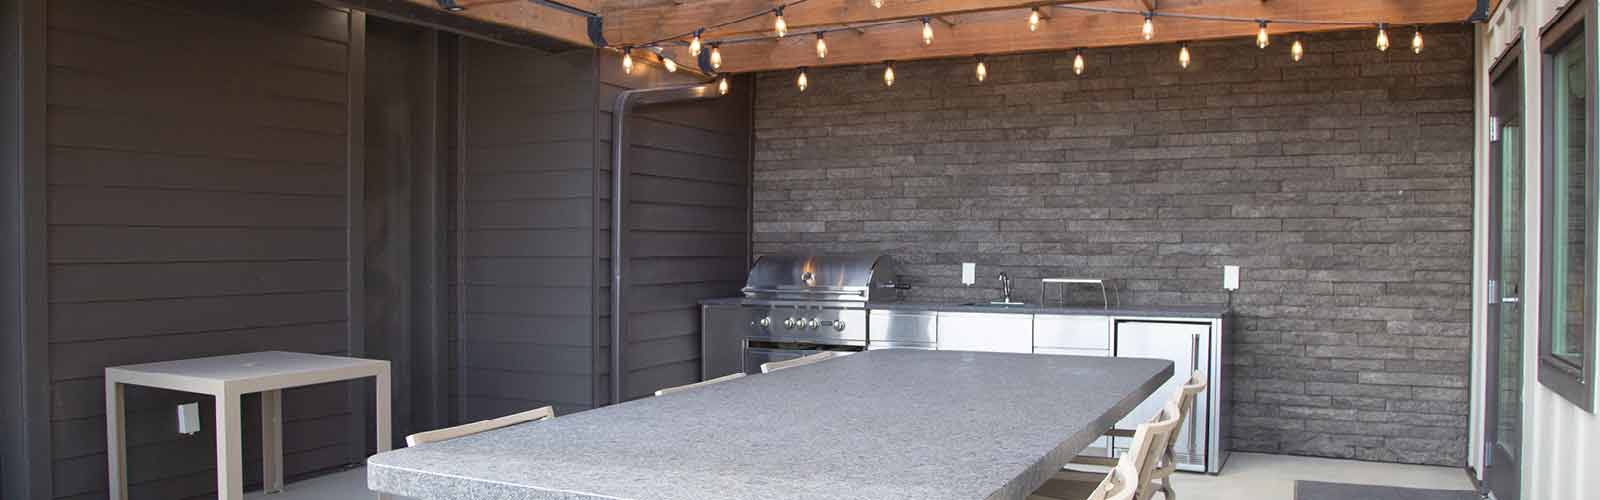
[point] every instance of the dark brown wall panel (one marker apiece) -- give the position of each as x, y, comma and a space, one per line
199, 200
687, 219
525, 295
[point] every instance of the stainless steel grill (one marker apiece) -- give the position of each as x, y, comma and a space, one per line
794, 306
821, 278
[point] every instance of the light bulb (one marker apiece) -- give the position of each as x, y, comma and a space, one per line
927, 32
672, 67
778, 25
722, 85
1383, 38
694, 45
1183, 56
1033, 20
1149, 28
1077, 63
983, 71
716, 57
1416, 42
1297, 51
888, 75
801, 81
627, 63
822, 47
877, 4
1262, 40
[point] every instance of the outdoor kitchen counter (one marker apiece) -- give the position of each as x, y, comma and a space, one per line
1194, 311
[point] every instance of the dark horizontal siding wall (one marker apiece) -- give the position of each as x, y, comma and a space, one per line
526, 277
687, 218
1342, 185
197, 170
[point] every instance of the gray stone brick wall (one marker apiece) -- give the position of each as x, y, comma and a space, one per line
1342, 185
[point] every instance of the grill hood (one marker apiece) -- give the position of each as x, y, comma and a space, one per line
853, 278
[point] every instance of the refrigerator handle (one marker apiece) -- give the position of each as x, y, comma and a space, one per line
1194, 363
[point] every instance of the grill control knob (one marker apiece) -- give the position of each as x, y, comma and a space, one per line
838, 325
812, 323
765, 322
789, 323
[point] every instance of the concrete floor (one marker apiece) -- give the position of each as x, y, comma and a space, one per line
1247, 476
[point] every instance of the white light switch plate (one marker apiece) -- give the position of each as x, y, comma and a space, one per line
189, 418
1230, 277
969, 273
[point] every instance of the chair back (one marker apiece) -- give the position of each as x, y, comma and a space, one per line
448, 433
686, 387
1186, 394
801, 361
1150, 442
1121, 483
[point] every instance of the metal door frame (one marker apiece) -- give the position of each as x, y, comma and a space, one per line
1508, 67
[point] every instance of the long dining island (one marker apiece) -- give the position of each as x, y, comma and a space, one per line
877, 425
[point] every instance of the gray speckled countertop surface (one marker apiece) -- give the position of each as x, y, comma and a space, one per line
1190, 311
878, 425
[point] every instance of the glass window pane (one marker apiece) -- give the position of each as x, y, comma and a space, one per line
1569, 192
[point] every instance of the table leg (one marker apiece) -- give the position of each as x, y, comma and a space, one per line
272, 441
384, 442
116, 442
230, 466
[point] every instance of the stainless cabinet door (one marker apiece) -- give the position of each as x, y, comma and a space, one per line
754, 357
1188, 345
988, 332
897, 327
1071, 332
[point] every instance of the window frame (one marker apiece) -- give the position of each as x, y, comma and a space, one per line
1575, 24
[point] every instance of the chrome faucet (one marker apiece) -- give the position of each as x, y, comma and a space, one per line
1005, 288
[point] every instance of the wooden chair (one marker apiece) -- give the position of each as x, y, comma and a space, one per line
802, 361
686, 387
1131, 475
1184, 397
1169, 463
448, 433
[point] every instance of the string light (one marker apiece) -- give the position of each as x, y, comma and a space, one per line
888, 73
1416, 41
1383, 37
801, 81
1297, 50
1262, 39
1183, 56
877, 4
822, 47
1033, 19
722, 86
672, 67
778, 25
1149, 28
716, 56
927, 31
983, 70
1077, 63
694, 45
627, 60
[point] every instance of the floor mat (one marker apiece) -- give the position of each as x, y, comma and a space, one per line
1317, 490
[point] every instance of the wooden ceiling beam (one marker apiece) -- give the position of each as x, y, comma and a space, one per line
630, 22
525, 16
1002, 32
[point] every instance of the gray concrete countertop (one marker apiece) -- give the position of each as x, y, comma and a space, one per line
1191, 311
878, 425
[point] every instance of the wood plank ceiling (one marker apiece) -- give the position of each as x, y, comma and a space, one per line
962, 27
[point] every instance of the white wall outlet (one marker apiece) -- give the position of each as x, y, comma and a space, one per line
969, 273
1230, 277
189, 418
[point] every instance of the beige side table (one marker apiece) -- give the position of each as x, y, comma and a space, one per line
228, 378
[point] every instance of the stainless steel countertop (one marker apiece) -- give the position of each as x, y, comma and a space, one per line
1187, 311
